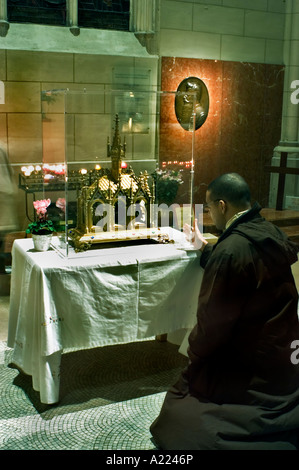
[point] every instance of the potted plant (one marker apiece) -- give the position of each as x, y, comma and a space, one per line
42, 228
167, 183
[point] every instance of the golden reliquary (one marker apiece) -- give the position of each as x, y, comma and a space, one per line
117, 206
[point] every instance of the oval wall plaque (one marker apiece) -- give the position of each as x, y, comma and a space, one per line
192, 102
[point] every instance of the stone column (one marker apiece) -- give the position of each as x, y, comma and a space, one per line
142, 16
289, 143
144, 22
290, 122
4, 25
72, 16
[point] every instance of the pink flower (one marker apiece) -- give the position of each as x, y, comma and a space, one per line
60, 203
41, 206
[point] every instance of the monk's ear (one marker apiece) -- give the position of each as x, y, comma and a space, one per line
223, 206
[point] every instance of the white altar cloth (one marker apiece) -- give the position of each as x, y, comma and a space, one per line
119, 295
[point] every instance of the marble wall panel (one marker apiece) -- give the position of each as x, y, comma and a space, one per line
273, 99
210, 71
243, 97
243, 125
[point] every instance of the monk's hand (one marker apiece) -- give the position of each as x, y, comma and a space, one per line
194, 236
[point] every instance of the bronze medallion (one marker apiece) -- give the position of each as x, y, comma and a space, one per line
192, 99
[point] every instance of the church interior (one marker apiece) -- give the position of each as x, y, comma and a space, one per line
90, 114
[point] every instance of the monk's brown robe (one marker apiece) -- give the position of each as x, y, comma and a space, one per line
241, 387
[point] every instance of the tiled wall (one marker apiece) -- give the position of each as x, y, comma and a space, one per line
237, 30
26, 74
26, 136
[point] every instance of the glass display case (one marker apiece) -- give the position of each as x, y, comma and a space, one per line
117, 167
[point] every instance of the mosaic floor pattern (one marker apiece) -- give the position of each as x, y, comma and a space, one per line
109, 398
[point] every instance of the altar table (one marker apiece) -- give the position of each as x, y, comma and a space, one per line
116, 295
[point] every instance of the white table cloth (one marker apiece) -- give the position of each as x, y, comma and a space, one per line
117, 295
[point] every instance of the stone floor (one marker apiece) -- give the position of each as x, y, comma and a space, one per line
102, 407
109, 398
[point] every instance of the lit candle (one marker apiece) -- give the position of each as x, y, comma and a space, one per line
59, 169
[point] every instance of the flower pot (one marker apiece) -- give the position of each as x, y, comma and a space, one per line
41, 242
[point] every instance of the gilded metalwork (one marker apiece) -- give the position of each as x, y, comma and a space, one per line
106, 209
192, 103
